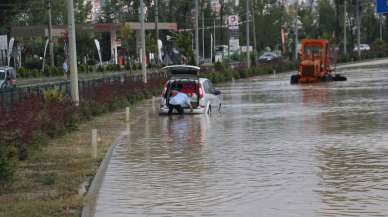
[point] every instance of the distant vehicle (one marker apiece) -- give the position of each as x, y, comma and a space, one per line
221, 52
185, 78
316, 63
269, 57
7, 77
363, 47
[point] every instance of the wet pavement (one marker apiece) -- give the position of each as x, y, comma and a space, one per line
275, 150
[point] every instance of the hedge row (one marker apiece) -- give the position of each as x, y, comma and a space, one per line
28, 124
49, 71
223, 73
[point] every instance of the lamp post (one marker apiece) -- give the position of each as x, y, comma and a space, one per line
248, 34
296, 29
196, 34
50, 34
143, 47
72, 53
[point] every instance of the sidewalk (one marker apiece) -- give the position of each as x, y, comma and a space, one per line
366, 63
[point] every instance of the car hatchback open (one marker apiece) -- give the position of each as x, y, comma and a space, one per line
185, 79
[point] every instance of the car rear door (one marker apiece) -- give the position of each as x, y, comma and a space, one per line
210, 92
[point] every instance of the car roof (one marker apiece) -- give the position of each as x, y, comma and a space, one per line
5, 67
183, 69
182, 78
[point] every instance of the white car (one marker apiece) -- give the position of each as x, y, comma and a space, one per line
185, 78
363, 47
7, 77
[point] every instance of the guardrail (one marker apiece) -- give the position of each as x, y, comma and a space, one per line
9, 96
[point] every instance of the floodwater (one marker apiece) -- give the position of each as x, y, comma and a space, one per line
275, 150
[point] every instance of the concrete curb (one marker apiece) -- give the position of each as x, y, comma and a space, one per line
89, 201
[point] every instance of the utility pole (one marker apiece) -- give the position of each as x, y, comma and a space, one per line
50, 34
143, 47
254, 27
211, 47
196, 34
248, 52
358, 27
296, 29
157, 31
345, 28
381, 26
72, 53
203, 34
214, 35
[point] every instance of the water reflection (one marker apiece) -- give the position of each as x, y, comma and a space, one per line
276, 150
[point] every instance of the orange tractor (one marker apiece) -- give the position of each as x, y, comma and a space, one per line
316, 63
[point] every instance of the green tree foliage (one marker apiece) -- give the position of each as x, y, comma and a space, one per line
326, 19
34, 12
183, 42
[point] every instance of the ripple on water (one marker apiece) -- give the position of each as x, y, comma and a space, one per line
276, 150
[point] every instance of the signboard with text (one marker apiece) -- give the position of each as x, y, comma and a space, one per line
382, 6
3, 42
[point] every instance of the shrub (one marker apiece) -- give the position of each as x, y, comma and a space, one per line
7, 164
23, 72
32, 63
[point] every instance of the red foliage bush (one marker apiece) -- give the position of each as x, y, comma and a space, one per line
26, 124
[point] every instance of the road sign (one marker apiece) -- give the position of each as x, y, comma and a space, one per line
3, 42
382, 6
233, 21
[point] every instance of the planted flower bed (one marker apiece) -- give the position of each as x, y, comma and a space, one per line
27, 124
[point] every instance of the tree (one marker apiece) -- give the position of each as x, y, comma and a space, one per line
326, 19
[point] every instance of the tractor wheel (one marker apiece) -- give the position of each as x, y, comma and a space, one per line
294, 79
327, 78
339, 77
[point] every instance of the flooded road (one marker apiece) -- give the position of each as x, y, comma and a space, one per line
275, 150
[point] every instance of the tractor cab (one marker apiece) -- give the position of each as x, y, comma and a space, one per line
316, 63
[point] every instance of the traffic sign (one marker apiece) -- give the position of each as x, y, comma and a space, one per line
382, 6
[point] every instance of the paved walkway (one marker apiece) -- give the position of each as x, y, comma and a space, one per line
368, 63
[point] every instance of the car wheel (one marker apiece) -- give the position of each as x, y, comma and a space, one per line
339, 77
209, 110
294, 79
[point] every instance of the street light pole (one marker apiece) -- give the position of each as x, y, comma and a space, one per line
203, 34
254, 27
248, 51
345, 29
296, 29
50, 34
143, 47
381, 26
196, 34
358, 27
157, 30
72, 53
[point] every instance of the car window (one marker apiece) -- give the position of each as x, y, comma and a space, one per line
206, 86
2, 75
211, 87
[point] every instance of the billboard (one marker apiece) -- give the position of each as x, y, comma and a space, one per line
382, 6
233, 21
234, 38
3, 42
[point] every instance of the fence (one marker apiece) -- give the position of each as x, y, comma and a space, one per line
10, 96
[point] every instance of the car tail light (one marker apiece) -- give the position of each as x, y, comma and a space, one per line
201, 91
164, 90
